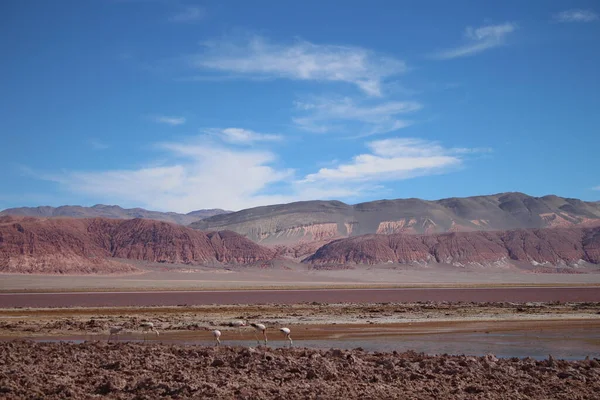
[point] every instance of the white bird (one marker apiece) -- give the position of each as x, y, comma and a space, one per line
238, 325
114, 331
259, 328
148, 326
286, 332
217, 334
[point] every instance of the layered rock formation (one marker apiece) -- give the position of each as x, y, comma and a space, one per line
558, 246
309, 221
69, 245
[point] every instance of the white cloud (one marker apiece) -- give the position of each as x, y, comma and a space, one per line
596, 188
576, 15
301, 61
202, 174
98, 145
189, 14
390, 160
478, 40
243, 136
325, 115
173, 121
195, 176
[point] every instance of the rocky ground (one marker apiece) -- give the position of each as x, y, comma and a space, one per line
136, 371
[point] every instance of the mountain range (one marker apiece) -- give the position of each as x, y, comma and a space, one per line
105, 211
101, 246
322, 221
497, 230
96, 245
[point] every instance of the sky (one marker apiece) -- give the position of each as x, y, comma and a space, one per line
185, 105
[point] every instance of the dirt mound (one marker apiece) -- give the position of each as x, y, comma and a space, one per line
74, 246
552, 246
128, 370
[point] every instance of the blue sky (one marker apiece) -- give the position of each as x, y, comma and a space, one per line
183, 105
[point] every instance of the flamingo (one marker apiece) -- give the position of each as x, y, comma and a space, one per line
238, 325
217, 334
286, 332
114, 331
148, 326
259, 328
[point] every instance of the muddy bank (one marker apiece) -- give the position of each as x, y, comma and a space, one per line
131, 370
328, 318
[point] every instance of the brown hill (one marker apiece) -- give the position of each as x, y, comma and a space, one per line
70, 245
310, 221
104, 211
558, 246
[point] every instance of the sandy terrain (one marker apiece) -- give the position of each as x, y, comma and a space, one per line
295, 296
133, 370
177, 277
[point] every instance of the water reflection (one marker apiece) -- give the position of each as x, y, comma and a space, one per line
575, 344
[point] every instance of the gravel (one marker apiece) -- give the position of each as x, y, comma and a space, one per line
30, 370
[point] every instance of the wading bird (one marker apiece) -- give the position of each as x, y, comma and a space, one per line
238, 325
114, 331
286, 332
148, 326
259, 328
217, 334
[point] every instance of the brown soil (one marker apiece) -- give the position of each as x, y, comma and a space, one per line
131, 370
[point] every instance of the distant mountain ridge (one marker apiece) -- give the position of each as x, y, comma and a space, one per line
310, 221
106, 211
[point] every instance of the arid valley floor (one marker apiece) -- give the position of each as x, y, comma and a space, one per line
366, 332
340, 350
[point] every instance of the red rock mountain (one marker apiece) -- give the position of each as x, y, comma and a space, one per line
557, 246
70, 245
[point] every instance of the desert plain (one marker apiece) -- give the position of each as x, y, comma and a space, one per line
363, 346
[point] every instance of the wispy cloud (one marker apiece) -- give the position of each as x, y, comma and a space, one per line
173, 121
189, 14
596, 188
186, 177
391, 160
301, 60
478, 40
97, 145
331, 114
187, 181
242, 136
576, 15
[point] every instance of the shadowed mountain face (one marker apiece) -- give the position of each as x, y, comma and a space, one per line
79, 245
552, 247
104, 211
327, 220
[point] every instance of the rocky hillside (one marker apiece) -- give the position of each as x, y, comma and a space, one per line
556, 247
70, 245
104, 211
327, 220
